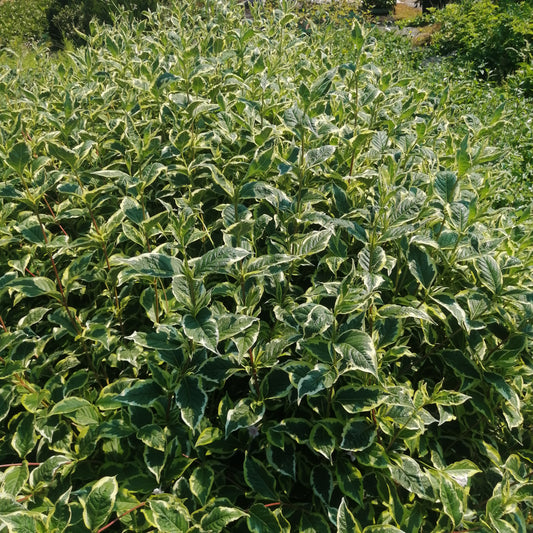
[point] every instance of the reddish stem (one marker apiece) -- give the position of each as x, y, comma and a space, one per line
3, 325
19, 464
272, 504
53, 214
123, 514
29, 272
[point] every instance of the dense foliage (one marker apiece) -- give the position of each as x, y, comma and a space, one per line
67, 18
495, 36
22, 20
59, 20
254, 280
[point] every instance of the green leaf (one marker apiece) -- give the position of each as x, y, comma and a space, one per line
460, 471
357, 349
349, 479
346, 522
100, 502
5, 402
47, 470
462, 157
260, 190
201, 481
63, 153
490, 273
68, 405
202, 329
400, 311
451, 305
192, 400
357, 36
283, 460
259, 479
322, 84
216, 369
246, 340
450, 397
23, 441
132, 209
410, 476
15, 478
164, 339
314, 242
19, 156
451, 499
358, 434
31, 231
382, 528
78, 410
380, 141
231, 325
259, 266
320, 378
245, 414
152, 435
262, 520
460, 215
155, 461
422, 266
446, 185
314, 319
373, 259
143, 393
169, 517
322, 482
33, 287
217, 260
219, 517
319, 155
20, 522
60, 517
276, 384
152, 264
261, 163
9, 505
322, 441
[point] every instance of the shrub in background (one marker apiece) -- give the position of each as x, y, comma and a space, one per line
67, 17
493, 36
378, 6
22, 20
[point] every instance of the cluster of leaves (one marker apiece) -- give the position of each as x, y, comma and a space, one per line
251, 281
495, 37
473, 96
67, 18
378, 6
311, 14
20, 21
59, 20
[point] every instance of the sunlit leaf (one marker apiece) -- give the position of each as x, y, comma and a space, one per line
202, 329
99, 503
191, 399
